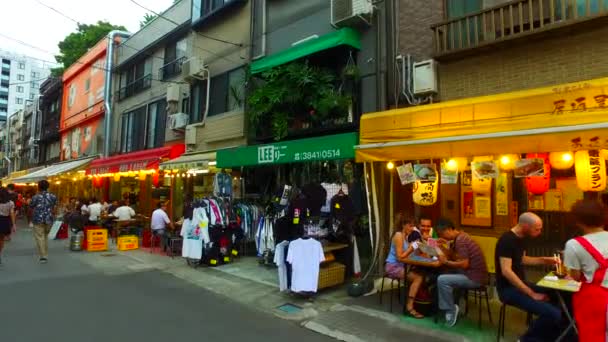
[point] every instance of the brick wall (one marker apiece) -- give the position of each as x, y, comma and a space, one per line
571, 57
414, 22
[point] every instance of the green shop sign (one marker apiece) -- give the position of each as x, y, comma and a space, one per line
339, 146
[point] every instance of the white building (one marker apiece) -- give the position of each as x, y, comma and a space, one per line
20, 79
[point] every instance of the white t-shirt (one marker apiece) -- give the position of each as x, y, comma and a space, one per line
159, 219
192, 233
577, 258
279, 260
95, 211
124, 213
305, 257
84, 209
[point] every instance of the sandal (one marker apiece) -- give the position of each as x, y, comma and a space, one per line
413, 313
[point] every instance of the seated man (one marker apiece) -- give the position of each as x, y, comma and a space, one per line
467, 260
510, 258
124, 212
159, 223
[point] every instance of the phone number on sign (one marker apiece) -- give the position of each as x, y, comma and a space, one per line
325, 154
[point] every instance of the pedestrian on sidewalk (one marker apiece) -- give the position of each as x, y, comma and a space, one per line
43, 205
7, 218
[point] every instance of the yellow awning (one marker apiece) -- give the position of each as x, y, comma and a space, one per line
558, 118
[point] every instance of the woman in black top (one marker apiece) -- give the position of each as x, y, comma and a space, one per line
7, 217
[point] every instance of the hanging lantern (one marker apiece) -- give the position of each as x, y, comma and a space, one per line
425, 193
142, 176
539, 185
507, 161
156, 179
590, 170
117, 177
604, 154
561, 160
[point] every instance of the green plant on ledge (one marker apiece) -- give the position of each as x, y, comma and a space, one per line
295, 92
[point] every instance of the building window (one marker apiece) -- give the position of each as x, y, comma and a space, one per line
32, 96
35, 75
20, 89
35, 85
175, 55
156, 124
133, 130
205, 8
18, 100
460, 8
87, 85
226, 94
21, 65
21, 77
136, 78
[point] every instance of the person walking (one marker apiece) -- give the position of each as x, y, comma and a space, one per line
7, 218
43, 205
586, 258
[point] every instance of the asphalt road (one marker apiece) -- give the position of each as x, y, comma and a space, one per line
68, 300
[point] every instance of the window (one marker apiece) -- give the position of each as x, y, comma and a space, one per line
133, 129
18, 100
226, 94
21, 65
236, 89
35, 85
20, 89
21, 77
87, 85
35, 74
460, 8
135, 79
156, 123
32, 96
204, 8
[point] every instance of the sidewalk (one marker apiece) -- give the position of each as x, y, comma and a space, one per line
332, 313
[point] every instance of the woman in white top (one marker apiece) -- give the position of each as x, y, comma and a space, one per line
586, 258
7, 217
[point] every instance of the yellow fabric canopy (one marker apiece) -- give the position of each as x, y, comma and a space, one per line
559, 118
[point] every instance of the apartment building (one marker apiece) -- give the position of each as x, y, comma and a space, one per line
48, 130
20, 79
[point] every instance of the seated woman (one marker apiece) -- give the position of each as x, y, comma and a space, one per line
401, 249
586, 258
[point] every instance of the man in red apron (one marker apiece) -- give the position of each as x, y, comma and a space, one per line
585, 259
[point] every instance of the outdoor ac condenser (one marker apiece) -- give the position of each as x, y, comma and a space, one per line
351, 13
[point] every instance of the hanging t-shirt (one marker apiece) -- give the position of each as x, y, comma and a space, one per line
332, 189
305, 256
192, 246
202, 221
279, 260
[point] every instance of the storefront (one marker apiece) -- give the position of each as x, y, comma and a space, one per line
135, 177
303, 188
483, 161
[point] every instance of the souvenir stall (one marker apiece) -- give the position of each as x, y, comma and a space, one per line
483, 161
301, 203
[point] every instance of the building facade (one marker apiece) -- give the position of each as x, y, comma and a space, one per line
49, 139
82, 109
20, 79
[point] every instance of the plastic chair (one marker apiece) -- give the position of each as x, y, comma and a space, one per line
393, 280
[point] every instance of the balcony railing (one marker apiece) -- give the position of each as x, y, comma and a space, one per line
171, 69
512, 20
135, 87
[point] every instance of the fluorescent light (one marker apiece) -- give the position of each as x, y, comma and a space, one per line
212, 163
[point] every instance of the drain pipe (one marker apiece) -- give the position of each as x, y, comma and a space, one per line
107, 90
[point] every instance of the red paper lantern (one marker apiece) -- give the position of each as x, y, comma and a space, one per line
97, 182
156, 178
539, 185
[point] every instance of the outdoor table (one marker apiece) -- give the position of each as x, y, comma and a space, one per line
561, 285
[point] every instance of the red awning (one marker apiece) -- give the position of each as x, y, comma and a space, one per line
135, 161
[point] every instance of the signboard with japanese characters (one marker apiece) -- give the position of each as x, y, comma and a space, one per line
475, 206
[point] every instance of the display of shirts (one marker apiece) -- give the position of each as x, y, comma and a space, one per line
305, 256
264, 237
200, 219
95, 211
159, 219
192, 246
332, 190
222, 184
279, 260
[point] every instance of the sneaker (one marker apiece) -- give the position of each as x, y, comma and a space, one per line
452, 317
43, 260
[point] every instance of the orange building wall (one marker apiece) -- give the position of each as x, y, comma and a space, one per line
82, 111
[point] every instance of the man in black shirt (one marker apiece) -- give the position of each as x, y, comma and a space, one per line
510, 258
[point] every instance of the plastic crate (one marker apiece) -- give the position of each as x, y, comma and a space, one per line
128, 242
331, 275
97, 240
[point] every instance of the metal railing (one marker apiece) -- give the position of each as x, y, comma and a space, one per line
135, 87
171, 69
511, 20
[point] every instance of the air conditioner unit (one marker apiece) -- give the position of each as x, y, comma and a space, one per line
178, 121
173, 92
425, 77
351, 13
193, 68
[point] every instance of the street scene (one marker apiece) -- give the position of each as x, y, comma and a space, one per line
352, 170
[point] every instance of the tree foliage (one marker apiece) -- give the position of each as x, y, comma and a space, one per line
78, 43
148, 17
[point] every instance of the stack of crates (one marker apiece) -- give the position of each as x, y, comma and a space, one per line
128, 242
97, 240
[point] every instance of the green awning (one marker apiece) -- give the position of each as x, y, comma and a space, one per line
344, 36
330, 147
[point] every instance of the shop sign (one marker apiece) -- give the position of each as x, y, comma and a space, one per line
340, 146
406, 173
502, 197
133, 166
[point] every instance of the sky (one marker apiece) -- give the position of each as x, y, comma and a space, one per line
31, 22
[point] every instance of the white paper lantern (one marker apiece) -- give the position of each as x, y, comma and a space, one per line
590, 170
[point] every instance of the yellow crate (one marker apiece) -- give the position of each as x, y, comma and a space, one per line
97, 240
331, 275
128, 242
